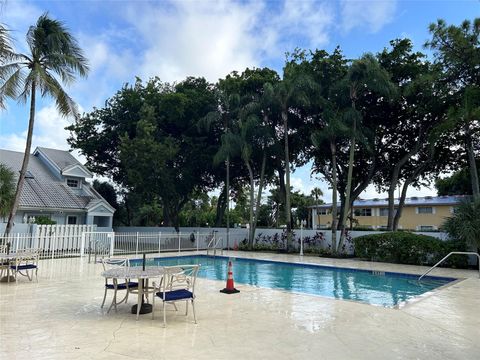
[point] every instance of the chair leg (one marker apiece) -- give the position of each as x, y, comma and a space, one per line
104, 297
164, 316
153, 306
186, 308
36, 274
193, 309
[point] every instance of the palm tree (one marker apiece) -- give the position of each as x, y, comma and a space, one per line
465, 116
365, 75
328, 136
7, 190
52, 51
464, 225
294, 87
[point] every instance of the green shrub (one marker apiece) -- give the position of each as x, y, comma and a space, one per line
408, 248
44, 220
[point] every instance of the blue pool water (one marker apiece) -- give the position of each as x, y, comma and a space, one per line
385, 289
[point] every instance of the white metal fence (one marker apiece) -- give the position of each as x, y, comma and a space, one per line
69, 243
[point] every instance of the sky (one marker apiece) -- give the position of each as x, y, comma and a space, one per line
176, 39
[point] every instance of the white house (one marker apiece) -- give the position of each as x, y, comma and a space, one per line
56, 187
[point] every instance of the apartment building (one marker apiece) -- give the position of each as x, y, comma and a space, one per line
419, 213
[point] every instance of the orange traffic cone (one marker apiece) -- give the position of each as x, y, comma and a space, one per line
230, 288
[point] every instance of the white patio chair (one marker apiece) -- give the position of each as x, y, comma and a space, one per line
127, 285
177, 284
26, 260
3, 264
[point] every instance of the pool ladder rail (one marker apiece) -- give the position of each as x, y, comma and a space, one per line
453, 253
213, 244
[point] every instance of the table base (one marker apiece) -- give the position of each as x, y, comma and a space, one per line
144, 308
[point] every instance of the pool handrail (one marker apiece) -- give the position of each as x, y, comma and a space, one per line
453, 253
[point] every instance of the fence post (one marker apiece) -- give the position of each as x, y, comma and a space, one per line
112, 242
18, 240
54, 240
198, 239
136, 249
179, 242
82, 245
159, 241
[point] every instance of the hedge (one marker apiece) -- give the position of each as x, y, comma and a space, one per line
408, 248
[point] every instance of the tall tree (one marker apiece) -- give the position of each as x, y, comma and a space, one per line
457, 51
364, 75
7, 190
292, 91
52, 51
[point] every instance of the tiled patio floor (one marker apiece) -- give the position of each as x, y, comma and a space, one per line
60, 318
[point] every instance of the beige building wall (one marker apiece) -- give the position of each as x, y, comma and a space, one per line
412, 217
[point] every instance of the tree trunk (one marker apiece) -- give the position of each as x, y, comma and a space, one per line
333, 149
227, 193
259, 195
401, 202
252, 204
473, 166
26, 158
221, 206
348, 190
288, 215
281, 184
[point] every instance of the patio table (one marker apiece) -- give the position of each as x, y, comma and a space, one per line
143, 275
7, 259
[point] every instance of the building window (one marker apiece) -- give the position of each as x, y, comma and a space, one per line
322, 211
384, 211
363, 212
73, 183
71, 220
425, 210
426, 228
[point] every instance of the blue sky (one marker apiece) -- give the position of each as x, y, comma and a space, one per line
175, 39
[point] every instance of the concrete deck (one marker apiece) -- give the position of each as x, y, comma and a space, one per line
60, 318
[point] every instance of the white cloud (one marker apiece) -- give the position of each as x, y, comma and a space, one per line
369, 14
213, 38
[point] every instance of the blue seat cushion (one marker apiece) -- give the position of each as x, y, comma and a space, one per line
23, 267
175, 295
122, 286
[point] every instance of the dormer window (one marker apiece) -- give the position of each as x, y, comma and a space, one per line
73, 183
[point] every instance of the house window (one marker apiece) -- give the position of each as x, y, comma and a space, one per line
426, 228
73, 183
322, 211
71, 220
425, 210
363, 212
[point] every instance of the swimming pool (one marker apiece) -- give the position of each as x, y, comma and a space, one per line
377, 288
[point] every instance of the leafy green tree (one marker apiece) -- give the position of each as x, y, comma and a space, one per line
53, 51
148, 139
457, 51
107, 191
458, 183
409, 123
464, 225
7, 190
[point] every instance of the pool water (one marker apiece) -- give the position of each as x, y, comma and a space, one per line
377, 288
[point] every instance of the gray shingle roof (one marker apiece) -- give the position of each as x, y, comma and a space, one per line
60, 158
412, 201
45, 190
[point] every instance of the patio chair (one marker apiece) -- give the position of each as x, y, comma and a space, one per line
177, 284
127, 285
26, 260
3, 264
